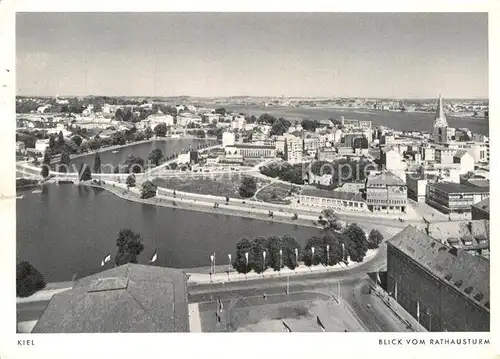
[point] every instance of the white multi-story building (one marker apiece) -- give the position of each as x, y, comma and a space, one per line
228, 139
156, 119
478, 150
465, 160
294, 148
41, 145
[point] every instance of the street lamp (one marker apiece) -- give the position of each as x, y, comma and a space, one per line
296, 258
246, 264
264, 262
281, 258
327, 255
228, 266
212, 258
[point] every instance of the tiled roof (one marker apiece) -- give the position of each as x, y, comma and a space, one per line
130, 298
387, 178
456, 267
460, 153
443, 231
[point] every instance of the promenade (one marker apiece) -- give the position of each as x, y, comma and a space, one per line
230, 275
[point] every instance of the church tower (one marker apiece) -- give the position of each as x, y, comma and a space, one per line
440, 131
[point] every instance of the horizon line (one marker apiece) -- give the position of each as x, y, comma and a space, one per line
262, 96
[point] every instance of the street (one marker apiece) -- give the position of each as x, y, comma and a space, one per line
349, 287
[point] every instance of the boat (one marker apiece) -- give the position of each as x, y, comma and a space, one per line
115, 151
20, 197
37, 191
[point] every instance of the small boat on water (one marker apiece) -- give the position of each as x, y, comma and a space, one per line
115, 151
37, 191
20, 197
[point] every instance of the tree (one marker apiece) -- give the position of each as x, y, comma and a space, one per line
130, 181
60, 140
173, 165
129, 245
280, 127
148, 190
330, 220
275, 244
97, 163
355, 240
28, 279
161, 130
77, 140
134, 164
308, 256
310, 125
148, 133
289, 245
52, 142
46, 163
156, 157
86, 175
64, 162
260, 245
248, 187
118, 138
227, 199
221, 111
243, 246
374, 239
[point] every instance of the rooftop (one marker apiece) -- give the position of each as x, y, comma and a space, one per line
465, 272
450, 187
385, 178
323, 193
483, 205
479, 182
457, 231
130, 298
252, 146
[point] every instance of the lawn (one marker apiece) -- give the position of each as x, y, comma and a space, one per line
278, 193
226, 184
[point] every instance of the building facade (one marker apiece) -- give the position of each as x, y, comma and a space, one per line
386, 192
250, 151
336, 200
449, 197
444, 288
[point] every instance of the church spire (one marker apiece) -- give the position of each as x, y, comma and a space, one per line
440, 119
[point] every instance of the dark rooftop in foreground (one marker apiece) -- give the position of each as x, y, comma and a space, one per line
130, 298
455, 266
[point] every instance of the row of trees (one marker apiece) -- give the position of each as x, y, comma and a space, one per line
280, 252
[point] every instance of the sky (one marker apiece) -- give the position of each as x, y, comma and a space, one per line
397, 55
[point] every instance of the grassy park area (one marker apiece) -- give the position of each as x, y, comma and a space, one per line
225, 184
278, 193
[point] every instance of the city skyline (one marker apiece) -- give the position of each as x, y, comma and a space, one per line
411, 56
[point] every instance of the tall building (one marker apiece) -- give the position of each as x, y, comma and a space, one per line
445, 288
440, 128
294, 146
